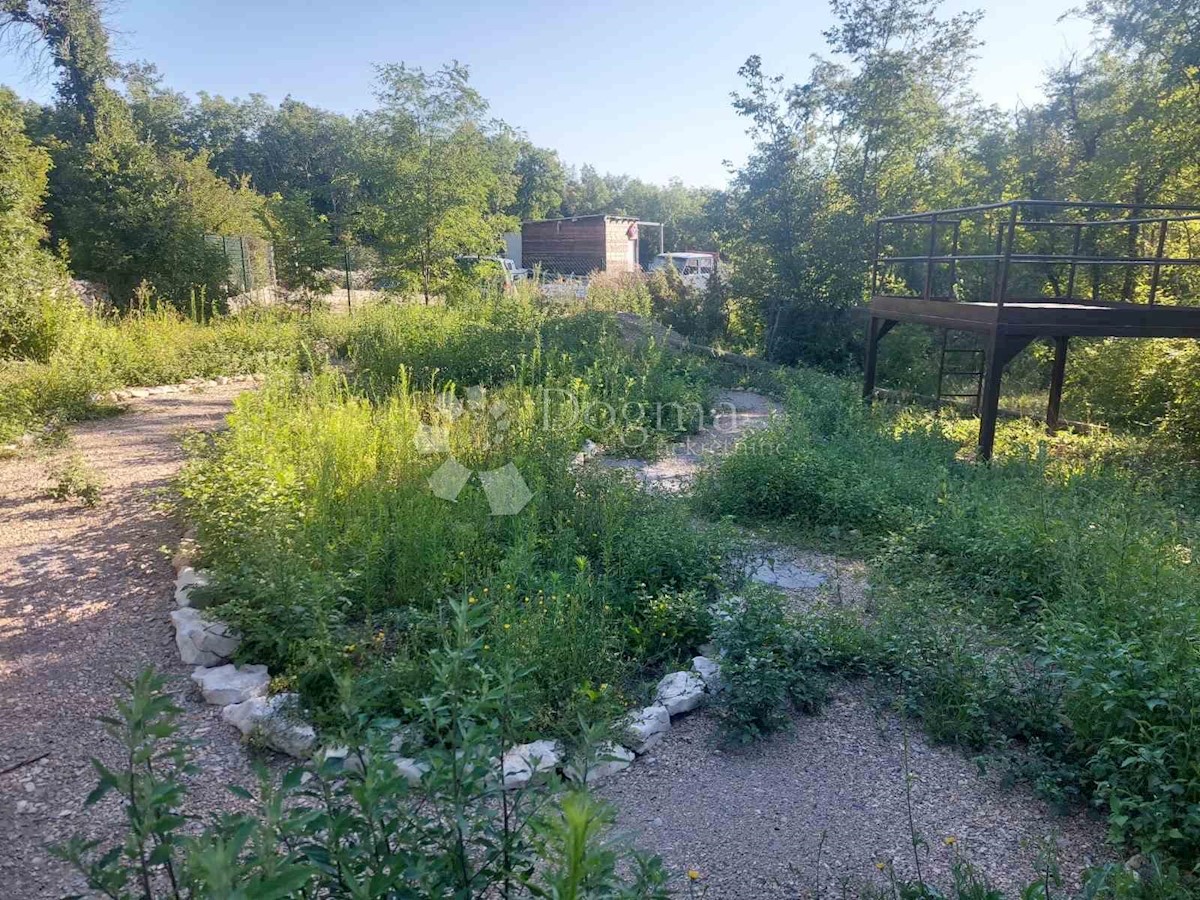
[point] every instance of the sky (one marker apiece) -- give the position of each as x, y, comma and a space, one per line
630, 87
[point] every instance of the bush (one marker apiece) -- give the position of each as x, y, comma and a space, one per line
769, 666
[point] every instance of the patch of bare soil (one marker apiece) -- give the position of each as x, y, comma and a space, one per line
85, 595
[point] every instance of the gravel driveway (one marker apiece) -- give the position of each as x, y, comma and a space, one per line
84, 600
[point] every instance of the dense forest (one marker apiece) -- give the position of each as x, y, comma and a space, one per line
120, 178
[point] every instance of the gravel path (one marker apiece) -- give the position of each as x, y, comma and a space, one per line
750, 820
84, 601
735, 415
84, 598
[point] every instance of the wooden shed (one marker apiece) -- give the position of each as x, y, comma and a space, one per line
580, 245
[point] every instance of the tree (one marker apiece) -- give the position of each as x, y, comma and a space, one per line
74, 33
882, 126
32, 281
127, 208
303, 244
432, 173
542, 181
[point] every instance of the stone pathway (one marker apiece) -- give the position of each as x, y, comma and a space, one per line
85, 595
736, 414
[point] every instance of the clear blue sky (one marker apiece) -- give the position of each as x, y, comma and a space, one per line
638, 87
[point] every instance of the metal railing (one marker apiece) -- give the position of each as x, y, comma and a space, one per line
1013, 252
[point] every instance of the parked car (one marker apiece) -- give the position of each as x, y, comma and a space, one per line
694, 268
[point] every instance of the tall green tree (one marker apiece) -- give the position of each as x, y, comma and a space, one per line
881, 125
33, 287
126, 209
433, 173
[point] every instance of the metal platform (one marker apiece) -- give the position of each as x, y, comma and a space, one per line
1014, 272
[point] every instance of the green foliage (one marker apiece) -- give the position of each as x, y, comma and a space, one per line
698, 312
632, 399
363, 831
35, 305
769, 666
301, 241
1044, 598
316, 514
435, 168
73, 478
98, 353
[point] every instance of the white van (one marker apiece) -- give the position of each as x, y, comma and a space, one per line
694, 268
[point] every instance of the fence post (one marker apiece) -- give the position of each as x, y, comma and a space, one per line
346, 256
246, 278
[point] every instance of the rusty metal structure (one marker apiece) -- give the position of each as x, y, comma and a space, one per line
1014, 272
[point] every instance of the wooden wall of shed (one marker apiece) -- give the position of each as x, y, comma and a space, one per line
567, 245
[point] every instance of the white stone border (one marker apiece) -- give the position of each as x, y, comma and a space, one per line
242, 694
191, 384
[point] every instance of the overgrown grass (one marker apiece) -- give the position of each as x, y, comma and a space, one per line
94, 354
1046, 602
316, 514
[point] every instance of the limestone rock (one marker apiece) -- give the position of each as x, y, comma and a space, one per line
201, 641
410, 768
680, 692
709, 671
607, 760
345, 759
271, 721
188, 579
645, 728
223, 685
524, 761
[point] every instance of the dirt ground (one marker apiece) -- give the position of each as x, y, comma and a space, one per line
85, 596
750, 820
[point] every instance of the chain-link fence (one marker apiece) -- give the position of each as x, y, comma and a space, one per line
250, 263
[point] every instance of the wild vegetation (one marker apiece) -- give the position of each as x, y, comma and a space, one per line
1043, 605
318, 500
1040, 611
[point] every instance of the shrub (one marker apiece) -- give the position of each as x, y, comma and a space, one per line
769, 666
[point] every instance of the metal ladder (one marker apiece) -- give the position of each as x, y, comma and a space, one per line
967, 356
